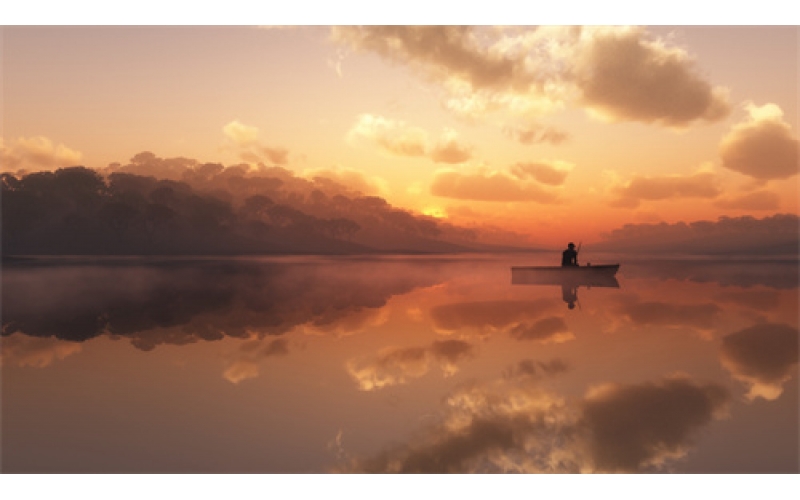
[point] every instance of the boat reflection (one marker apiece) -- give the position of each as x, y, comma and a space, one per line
568, 278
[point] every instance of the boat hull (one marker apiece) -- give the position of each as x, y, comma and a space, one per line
571, 276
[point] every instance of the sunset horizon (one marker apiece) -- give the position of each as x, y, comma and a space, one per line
421, 249
529, 137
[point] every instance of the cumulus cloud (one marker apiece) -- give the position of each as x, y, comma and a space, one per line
245, 139
36, 153
638, 189
449, 150
553, 173
618, 73
489, 186
399, 138
757, 200
514, 425
393, 366
763, 147
625, 76
440, 52
763, 356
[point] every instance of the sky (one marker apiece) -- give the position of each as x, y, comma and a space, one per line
563, 133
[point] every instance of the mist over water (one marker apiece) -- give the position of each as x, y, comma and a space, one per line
397, 364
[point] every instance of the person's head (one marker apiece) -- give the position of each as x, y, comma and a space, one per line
571, 246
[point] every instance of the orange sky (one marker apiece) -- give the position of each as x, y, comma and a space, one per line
560, 133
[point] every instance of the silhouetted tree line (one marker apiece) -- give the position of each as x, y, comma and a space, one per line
77, 211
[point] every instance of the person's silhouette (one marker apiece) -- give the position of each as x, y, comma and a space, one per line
569, 294
570, 256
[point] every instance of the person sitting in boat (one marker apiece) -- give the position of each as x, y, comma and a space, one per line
570, 256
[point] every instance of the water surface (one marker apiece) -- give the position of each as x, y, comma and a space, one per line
396, 364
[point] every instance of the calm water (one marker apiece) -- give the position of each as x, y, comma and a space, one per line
396, 365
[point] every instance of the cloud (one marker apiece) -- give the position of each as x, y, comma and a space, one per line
241, 134
757, 200
763, 356
760, 300
36, 153
488, 316
763, 146
399, 138
514, 425
535, 134
347, 181
488, 186
700, 185
148, 164
551, 329
448, 149
625, 76
393, 366
618, 73
440, 52
635, 426
695, 316
245, 139
22, 350
240, 370
552, 173
250, 354
777, 234
522, 320
531, 369
394, 136
356, 321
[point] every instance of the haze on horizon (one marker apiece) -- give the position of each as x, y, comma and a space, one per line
526, 135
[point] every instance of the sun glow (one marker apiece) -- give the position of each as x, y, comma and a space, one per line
436, 212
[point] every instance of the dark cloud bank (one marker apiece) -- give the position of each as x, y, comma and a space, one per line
775, 235
207, 209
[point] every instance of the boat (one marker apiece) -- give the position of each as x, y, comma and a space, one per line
572, 276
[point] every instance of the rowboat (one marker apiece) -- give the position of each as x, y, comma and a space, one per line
573, 276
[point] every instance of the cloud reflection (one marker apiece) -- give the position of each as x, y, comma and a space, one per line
513, 424
21, 350
180, 302
489, 316
763, 356
246, 365
696, 316
394, 365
